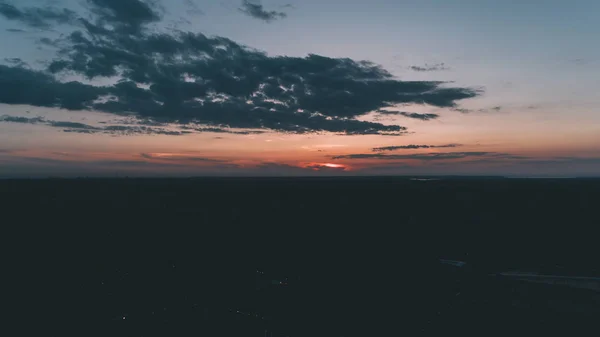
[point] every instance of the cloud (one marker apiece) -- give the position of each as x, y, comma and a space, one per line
412, 146
258, 12
221, 130
40, 18
493, 109
414, 115
19, 85
22, 120
125, 130
15, 30
180, 77
433, 67
74, 127
430, 156
127, 16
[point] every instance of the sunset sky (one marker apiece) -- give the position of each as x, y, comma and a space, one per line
233, 87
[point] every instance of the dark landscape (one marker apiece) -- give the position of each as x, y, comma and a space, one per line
302, 256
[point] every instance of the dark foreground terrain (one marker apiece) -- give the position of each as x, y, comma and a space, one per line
300, 257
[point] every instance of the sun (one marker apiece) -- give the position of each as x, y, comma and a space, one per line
332, 165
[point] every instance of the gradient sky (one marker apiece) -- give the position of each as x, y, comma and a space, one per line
525, 78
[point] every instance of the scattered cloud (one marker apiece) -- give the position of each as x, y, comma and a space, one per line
257, 11
15, 30
37, 17
413, 146
189, 78
432, 67
483, 110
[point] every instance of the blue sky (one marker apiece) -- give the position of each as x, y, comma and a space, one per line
536, 64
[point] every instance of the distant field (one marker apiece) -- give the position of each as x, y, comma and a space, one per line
495, 220
359, 252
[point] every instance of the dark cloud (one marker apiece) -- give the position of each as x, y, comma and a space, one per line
40, 18
462, 110
429, 156
423, 117
433, 67
414, 115
413, 146
72, 125
15, 30
186, 78
258, 12
19, 85
22, 120
493, 109
127, 16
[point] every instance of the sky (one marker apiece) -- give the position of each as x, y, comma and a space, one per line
284, 87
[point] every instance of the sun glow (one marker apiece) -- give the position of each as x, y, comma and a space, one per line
332, 165
325, 166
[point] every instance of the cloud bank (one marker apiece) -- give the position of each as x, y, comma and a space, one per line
183, 77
